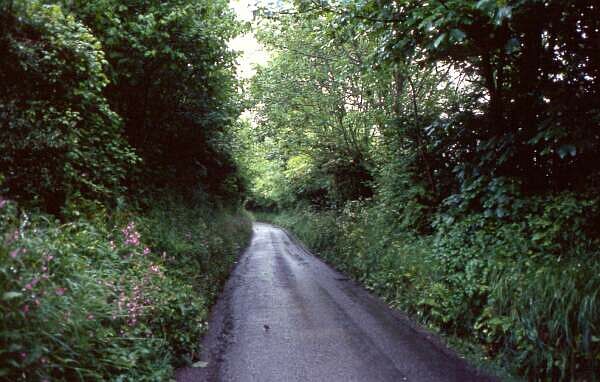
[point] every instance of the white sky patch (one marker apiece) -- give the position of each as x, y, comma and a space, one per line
253, 53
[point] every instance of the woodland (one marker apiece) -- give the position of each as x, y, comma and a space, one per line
442, 153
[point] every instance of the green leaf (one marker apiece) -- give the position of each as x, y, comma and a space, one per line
457, 35
484, 4
501, 212
11, 295
438, 41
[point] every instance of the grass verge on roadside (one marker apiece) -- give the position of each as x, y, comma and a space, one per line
122, 296
511, 315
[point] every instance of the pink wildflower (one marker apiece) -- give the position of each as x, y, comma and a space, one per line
60, 291
146, 251
31, 284
14, 254
154, 269
23, 355
131, 236
25, 309
90, 316
3, 202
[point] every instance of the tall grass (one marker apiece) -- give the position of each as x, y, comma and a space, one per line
203, 242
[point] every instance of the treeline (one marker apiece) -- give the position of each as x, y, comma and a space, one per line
119, 197
445, 154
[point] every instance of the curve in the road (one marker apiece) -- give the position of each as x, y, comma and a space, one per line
287, 316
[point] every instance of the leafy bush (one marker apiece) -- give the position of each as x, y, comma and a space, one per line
58, 136
88, 300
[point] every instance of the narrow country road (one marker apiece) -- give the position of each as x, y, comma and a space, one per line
286, 316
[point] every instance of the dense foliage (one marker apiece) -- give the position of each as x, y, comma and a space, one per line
115, 165
59, 138
102, 99
172, 81
119, 297
444, 153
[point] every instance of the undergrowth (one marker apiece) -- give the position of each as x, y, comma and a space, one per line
121, 296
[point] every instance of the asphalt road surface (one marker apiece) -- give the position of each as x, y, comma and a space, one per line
287, 316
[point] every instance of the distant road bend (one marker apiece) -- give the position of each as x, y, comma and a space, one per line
286, 316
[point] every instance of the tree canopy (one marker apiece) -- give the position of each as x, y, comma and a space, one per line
467, 93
